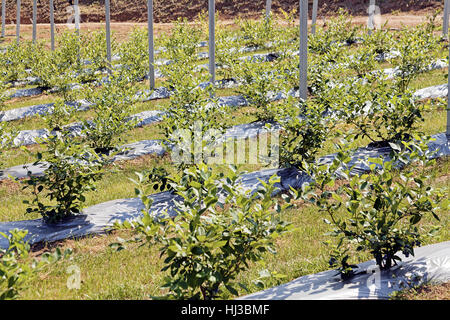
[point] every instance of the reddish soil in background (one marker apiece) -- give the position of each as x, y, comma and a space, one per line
426, 292
123, 29
170, 10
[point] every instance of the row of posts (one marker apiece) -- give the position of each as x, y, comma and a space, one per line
303, 52
211, 9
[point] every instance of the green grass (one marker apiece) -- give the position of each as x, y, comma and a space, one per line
116, 185
428, 79
135, 273
434, 122
428, 291
29, 101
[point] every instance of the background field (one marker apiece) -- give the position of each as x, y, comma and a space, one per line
170, 10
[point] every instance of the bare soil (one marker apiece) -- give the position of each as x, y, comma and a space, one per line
170, 10
123, 29
427, 292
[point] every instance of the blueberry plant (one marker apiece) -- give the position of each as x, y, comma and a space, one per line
112, 105
416, 49
305, 128
379, 211
362, 62
134, 54
377, 110
17, 267
260, 84
55, 68
17, 59
227, 53
256, 33
339, 31
215, 230
71, 170
93, 49
181, 45
379, 41
59, 115
192, 110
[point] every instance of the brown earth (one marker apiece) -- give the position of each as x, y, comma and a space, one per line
123, 29
426, 292
170, 10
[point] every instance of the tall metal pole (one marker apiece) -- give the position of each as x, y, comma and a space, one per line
3, 17
108, 33
34, 20
446, 14
303, 90
371, 15
18, 22
212, 40
77, 16
77, 27
314, 16
52, 25
151, 49
268, 8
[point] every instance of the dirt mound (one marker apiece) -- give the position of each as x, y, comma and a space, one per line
170, 10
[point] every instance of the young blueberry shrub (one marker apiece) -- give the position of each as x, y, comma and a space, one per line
192, 122
93, 50
380, 41
71, 169
227, 53
216, 229
260, 85
305, 128
17, 60
376, 111
181, 45
133, 54
342, 29
6, 140
287, 29
112, 105
362, 62
18, 268
380, 211
61, 68
258, 34
338, 31
193, 112
323, 70
416, 47
59, 116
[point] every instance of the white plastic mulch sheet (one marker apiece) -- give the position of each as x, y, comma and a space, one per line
431, 264
164, 93
30, 92
94, 220
130, 151
41, 109
29, 137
